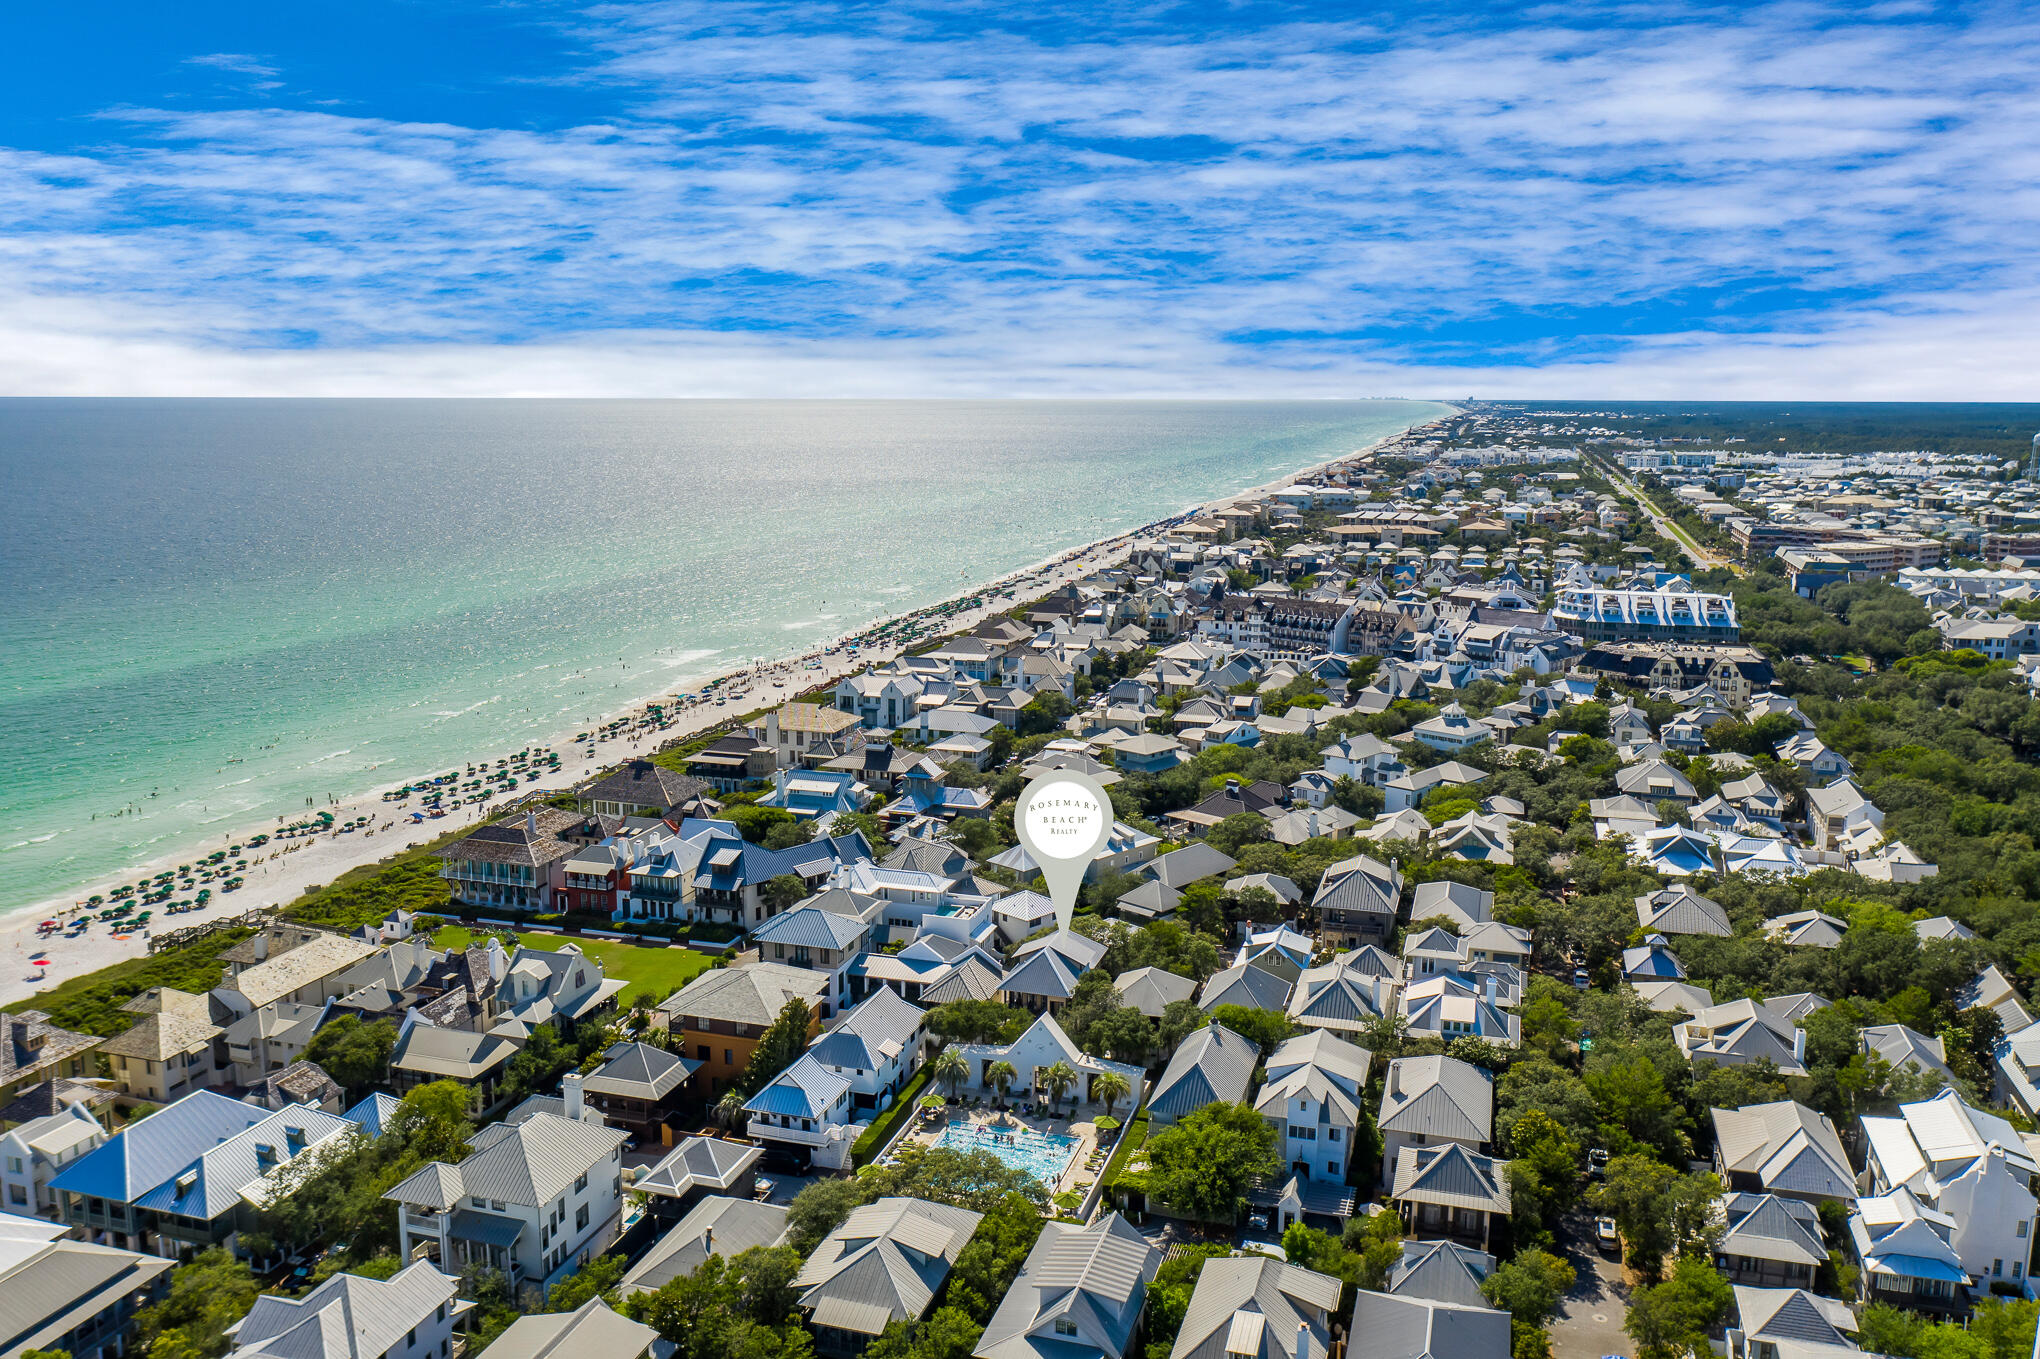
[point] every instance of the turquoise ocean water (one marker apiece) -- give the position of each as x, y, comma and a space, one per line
213, 610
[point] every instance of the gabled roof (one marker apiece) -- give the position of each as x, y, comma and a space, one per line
1179, 868
1681, 910
878, 1029
1393, 1326
1766, 1227
1246, 984
1095, 1276
590, 1329
1442, 1271
1214, 1064
718, 1225
346, 1317
527, 1163
883, 1264
699, 1163
150, 1152
1451, 1176
1792, 1314
639, 1071
1438, 1097
1041, 973
1254, 1306
807, 1089
1790, 1149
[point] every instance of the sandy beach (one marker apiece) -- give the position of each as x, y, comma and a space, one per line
281, 871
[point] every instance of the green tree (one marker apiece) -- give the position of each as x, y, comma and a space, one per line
1058, 1078
977, 1021
596, 1279
1530, 1286
1108, 1088
1000, 1076
1671, 1320
1122, 1033
206, 1296
1264, 1028
782, 892
1375, 1241
784, 1040
950, 1068
354, 1054
1202, 1165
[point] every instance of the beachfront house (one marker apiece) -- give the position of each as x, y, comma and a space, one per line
514, 865
534, 1200
793, 730
641, 788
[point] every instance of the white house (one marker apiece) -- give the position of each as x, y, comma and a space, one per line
32, 1153
806, 1109
535, 1199
1970, 1165
1313, 1099
878, 1045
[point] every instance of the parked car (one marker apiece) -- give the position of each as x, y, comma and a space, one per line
1606, 1237
1597, 1162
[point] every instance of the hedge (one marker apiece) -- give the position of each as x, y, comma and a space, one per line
1131, 1137
879, 1135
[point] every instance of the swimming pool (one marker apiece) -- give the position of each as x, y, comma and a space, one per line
1045, 1156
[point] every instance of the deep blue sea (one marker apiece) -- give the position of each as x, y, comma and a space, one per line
214, 610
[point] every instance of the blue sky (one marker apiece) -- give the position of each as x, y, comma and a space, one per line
1790, 200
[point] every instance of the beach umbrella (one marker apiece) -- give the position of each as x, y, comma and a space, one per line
39, 960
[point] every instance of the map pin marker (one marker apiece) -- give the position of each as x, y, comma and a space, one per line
1063, 819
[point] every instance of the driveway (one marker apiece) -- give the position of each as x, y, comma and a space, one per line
1589, 1321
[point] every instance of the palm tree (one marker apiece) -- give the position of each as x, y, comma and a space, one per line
729, 1110
950, 1068
1108, 1088
1058, 1078
1000, 1075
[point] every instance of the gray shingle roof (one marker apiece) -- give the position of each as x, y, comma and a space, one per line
752, 994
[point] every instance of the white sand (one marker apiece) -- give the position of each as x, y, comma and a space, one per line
282, 871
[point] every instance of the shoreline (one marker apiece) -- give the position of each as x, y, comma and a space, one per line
280, 872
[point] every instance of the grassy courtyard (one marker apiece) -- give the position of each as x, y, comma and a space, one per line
652, 972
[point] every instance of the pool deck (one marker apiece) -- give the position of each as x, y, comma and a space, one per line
1084, 1167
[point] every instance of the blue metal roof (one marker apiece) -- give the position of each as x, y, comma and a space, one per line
154, 1150
804, 1090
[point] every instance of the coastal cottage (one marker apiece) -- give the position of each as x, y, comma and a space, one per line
33, 1050
534, 1200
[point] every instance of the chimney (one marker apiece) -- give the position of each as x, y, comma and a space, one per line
570, 1094
262, 946
1799, 1045
1395, 1078
1488, 986
531, 821
1302, 1339
708, 1241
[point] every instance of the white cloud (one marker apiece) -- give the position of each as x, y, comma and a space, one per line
819, 199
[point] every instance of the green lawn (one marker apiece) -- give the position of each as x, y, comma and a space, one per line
657, 972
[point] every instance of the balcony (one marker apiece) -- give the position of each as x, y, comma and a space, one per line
760, 1130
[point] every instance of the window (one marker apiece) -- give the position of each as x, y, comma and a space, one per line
14, 1165
496, 1204
1064, 1326
441, 1314
1997, 1269
1331, 1134
16, 1194
581, 1182
581, 1218
478, 1203
729, 1057
410, 1337
701, 1052
2023, 1226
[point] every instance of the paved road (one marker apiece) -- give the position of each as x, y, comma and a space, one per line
1701, 556
1589, 1322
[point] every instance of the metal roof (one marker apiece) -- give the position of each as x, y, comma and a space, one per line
884, 1263
1214, 1064
717, 1225
807, 1089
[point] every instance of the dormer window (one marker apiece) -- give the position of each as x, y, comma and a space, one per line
1064, 1326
